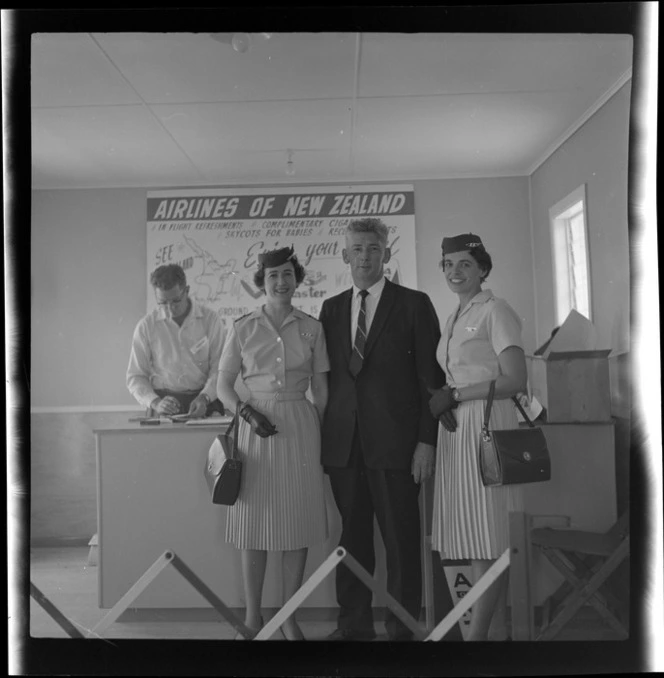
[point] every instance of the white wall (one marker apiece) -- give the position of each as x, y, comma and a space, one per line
88, 291
597, 155
497, 211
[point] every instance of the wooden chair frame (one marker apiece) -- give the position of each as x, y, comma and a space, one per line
585, 559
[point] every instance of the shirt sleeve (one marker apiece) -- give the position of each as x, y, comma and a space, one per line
216, 335
321, 361
231, 356
139, 369
504, 327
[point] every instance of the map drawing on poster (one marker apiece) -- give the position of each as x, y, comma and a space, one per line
216, 236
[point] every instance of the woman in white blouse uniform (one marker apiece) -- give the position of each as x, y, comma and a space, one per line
279, 351
480, 343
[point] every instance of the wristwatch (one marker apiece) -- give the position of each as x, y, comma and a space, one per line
456, 395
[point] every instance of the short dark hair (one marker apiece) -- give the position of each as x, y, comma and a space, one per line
483, 259
168, 276
369, 225
300, 273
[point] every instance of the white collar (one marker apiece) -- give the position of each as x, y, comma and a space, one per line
375, 290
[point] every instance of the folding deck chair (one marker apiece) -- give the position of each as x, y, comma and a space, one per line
586, 560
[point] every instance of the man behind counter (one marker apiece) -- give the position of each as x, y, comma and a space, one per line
175, 351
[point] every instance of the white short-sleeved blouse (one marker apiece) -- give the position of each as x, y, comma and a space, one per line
272, 360
470, 345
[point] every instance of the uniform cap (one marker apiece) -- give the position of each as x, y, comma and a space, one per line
273, 258
461, 243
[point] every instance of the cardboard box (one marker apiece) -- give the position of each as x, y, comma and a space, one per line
578, 387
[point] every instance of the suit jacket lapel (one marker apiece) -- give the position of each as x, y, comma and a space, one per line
387, 299
344, 325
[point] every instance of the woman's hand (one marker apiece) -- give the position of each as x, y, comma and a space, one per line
259, 423
441, 401
448, 420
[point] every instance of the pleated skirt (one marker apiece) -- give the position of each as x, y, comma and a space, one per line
281, 505
471, 521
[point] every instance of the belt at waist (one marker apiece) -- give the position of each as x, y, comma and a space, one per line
277, 395
170, 391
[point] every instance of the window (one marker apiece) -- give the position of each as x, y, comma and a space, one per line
571, 264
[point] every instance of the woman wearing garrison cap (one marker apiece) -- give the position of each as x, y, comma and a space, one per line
279, 351
480, 343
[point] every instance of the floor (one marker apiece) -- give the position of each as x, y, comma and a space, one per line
68, 580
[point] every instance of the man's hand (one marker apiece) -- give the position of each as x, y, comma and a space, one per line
448, 420
198, 406
441, 401
260, 424
166, 406
423, 462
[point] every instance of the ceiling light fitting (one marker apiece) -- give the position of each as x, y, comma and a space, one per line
290, 165
241, 42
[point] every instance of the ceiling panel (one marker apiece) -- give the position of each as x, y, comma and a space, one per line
447, 63
115, 145
460, 133
137, 109
270, 168
193, 67
205, 130
70, 70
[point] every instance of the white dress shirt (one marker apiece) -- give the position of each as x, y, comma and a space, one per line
371, 303
165, 355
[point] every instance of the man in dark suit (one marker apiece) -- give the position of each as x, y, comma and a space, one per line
378, 434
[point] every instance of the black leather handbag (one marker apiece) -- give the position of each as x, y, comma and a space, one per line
223, 470
512, 456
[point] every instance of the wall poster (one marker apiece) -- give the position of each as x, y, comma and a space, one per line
217, 234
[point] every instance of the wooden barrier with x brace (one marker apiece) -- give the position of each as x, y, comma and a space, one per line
169, 558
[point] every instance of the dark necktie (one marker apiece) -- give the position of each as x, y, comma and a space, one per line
357, 357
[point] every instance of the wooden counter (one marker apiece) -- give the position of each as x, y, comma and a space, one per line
152, 496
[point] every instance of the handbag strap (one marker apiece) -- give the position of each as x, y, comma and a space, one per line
489, 402
236, 421
523, 412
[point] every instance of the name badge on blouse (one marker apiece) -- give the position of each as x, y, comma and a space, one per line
471, 329
201, 343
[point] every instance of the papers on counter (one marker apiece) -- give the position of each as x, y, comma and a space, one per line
183, 419
210, 421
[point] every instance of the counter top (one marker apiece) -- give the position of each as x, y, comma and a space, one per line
136, 426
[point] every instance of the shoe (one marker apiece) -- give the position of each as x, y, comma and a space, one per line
352, 634
239, 636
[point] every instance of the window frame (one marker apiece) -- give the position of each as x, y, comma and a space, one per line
559, 216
